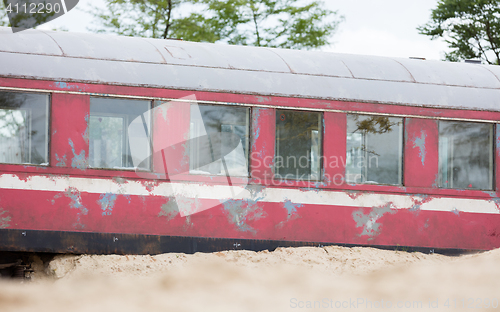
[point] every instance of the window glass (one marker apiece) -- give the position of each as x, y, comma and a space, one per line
109, 137
24, 124
298, 145
465, 155
219, 140
374, 149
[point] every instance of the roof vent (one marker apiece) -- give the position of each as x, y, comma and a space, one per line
474, 61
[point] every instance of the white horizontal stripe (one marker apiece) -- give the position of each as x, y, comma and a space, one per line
270, 194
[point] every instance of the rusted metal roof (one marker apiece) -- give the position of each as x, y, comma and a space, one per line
109, 59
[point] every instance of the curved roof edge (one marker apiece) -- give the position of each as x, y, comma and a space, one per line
176, 64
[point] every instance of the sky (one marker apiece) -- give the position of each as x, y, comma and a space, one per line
370, 27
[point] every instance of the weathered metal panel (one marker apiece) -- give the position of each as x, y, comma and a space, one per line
69, 138
262, 213
334, 147
171, 129
448, 73
375, 67
262, 144
317, 63
106, 47
220, 56
248, 70
28, 41
421, 157
247, 82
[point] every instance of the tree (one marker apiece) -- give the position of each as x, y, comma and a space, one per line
470, 27
4, 20
151, 18
270, 23
273, 23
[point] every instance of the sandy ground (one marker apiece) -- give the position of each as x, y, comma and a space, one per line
288, 279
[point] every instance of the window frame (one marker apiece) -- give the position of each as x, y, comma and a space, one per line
321, 156
401, 147
492, 159
126, 146
247, 149
48, 124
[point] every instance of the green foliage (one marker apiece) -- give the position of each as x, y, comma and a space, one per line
273, 23
374, 124
149, 18
4, 20
269, 23
470, 27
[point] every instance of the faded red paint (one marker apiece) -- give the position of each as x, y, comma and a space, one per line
69, 145
421, 157
253, 99
171, 128
262, 145
87, 212
334, 146
266, 221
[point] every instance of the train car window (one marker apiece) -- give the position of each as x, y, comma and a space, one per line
298, 145
465, 155
219, 140
109, 138
374, 149
24, 127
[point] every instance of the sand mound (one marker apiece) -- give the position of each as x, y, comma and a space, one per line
288, 279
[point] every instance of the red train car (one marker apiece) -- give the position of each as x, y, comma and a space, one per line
129, 145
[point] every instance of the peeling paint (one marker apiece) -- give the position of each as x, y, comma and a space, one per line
76, 200
418, 200
61, 161
238, 214
354, 194
291, 208
369, 221
79, 160
150, 185
455, 211
263, 99
107, 203
119, 180
169, 209
420, 144
4, 219
76, 203
187, 206
85, 134
64, 85
163, 110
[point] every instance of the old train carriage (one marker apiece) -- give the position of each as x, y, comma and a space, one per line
129, 145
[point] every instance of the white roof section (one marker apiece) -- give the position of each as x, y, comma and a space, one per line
173, 64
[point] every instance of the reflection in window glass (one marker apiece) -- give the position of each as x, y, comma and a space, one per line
108, 131
298, 145
465, 155
374, 149
219, 140
24, 121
